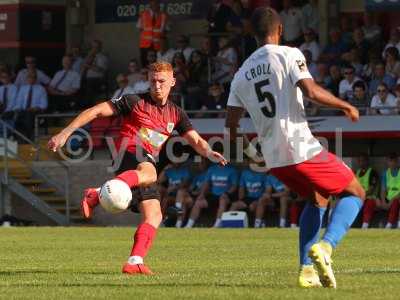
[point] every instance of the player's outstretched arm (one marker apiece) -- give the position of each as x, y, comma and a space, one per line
103, 109
201, 146
321, 96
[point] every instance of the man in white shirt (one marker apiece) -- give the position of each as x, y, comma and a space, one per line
165, 53
64, 86
142, 86
123, 87
183, 45
31, 100
292, 24
310, 44
93, 73
346, 85
270, 87
383, 103
30, 63
8, 95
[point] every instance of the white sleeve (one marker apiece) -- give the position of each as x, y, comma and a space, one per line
297, 66
374, 102
234, 100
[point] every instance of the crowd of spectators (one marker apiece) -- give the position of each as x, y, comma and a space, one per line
357, 64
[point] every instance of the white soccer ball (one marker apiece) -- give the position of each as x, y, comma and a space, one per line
115, 196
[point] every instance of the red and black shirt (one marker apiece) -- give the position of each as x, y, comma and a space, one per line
148, 124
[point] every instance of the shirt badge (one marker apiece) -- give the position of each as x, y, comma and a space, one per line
170, 127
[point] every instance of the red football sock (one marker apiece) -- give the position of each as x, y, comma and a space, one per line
369, 209
130, 177
144, 237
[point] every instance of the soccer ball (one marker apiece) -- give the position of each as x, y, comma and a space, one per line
115, 196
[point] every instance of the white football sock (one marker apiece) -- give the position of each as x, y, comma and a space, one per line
217, 223
282, 222
189, 223
257, 223
135, 260
365, 225
178, 224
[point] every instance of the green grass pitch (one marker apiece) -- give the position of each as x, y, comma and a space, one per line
85, 263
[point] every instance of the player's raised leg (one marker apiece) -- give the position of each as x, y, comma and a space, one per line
144, 174
144, 236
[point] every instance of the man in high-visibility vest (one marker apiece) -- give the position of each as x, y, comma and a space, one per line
390, 192
369, 180
152, 24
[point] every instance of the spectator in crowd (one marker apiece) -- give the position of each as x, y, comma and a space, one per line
235, 23
94, 70
335, 48
346, 85
248, 43
380, 76
8, 97
372, 31
346, 30
31, 100
310, 16
359, 43
175, 177
390, 191
151, 57
152, 24
142, 85
251, 190
133, 72
165, 53
77, 59
22, 75
355, 61
310, 44
206, 47
219, 17
183, 46
216, 100
181, 73
312, 66
394, 41
219, 190
322, 76
279, 193
197, 81
123, 87
360, 97
392, 62
335, 79
185, 197
383, 103
226, 62
63, 87
369, 67
292, 21
369, 180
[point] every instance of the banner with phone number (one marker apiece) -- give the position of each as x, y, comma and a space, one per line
120, 11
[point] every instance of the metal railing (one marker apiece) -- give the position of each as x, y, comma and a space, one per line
63, 190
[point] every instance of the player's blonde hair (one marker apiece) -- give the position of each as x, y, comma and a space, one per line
160, 66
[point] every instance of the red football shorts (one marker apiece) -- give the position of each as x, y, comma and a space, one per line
325, 173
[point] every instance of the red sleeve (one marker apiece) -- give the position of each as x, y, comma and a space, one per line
184, 124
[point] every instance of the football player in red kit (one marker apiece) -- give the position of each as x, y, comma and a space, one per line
148, 122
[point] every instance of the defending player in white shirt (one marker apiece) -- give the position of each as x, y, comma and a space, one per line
270, 87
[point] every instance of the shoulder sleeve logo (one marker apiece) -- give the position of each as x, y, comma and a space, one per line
302, 65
